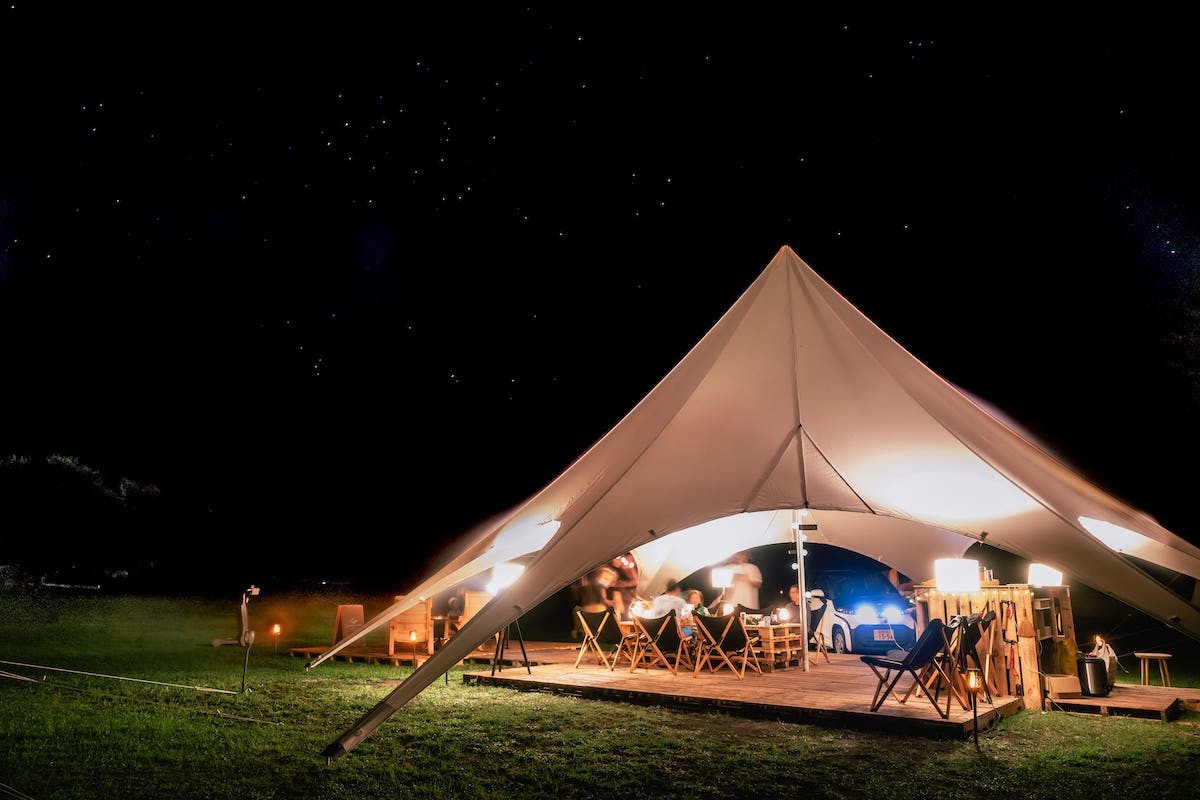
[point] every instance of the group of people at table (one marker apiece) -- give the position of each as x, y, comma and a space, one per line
743, 591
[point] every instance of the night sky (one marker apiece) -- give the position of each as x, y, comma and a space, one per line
366, 280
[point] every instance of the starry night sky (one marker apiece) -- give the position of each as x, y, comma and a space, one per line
363, 277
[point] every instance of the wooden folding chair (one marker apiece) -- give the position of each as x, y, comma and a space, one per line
629, 646
600, 629
943, 670
726, 638
661, 642
917, 662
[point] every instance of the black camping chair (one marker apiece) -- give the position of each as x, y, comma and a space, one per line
600, 631
661, 642
921, 658
740, 609
725, 637
972, 634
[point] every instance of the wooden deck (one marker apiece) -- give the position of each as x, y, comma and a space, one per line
1131, 700
836, 693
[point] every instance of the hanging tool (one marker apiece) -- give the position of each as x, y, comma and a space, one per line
1008, 610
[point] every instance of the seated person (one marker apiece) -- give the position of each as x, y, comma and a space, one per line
792, 606
695, 599
670, 600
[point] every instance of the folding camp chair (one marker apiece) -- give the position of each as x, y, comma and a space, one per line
629, 646
725, 637
967, 647
600, 630
948, 664
660, 642
922, 657
816, 616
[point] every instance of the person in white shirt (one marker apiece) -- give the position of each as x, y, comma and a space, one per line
672, 600
746, 580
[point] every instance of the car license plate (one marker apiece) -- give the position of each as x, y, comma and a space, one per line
884, 635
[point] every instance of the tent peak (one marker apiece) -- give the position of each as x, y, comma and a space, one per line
785, 255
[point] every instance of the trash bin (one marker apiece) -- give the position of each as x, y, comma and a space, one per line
1093, 676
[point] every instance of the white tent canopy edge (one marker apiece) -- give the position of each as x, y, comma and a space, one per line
794, 399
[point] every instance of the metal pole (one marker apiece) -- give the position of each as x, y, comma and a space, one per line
797, 538
246, 665
975, 716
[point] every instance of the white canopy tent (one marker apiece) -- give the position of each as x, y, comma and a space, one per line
794, 399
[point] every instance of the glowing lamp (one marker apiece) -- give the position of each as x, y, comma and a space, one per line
275, 629
893, 615
783, 615
1042, 575
974, 681
722, 578
727, 609
503, 576
956, 575
412, 636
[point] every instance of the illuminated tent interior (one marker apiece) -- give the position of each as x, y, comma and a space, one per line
794, 399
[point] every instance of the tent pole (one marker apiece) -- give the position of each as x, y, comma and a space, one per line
797, 539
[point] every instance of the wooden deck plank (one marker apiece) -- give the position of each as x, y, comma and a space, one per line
836, 693
1153, 702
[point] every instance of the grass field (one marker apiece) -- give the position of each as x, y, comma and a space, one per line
76, 737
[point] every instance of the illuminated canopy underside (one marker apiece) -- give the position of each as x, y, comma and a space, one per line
795, 399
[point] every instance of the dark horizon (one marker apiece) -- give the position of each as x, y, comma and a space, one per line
344, 290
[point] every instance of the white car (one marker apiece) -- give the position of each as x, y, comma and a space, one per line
869, 615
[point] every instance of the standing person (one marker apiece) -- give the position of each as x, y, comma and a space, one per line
623, 590
594, 595
746, 580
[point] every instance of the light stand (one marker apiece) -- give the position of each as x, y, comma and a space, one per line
275, 630
503, 576
502, 640
974, 685
245, 634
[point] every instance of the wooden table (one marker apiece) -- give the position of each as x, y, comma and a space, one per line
780, 646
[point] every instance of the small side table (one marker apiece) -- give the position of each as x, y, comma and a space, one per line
1163, 672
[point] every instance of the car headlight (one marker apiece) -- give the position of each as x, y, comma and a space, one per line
866, 614
893, 615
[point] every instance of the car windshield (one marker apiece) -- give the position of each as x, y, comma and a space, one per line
848, 585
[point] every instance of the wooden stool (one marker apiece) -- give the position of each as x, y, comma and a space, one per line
1163, 672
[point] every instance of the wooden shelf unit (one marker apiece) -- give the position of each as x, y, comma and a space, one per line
1055, 653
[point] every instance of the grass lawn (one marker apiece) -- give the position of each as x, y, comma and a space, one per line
70, 736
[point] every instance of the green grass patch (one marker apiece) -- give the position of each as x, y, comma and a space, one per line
77, 737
